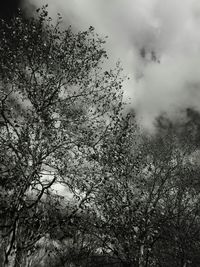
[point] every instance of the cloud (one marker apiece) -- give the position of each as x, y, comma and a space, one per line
158, 42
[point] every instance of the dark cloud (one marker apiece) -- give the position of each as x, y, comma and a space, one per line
8, 8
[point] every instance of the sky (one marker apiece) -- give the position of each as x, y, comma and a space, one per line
158, 42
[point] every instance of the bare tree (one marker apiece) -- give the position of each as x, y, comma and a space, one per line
55, 106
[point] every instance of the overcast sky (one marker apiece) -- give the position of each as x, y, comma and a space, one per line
168, 30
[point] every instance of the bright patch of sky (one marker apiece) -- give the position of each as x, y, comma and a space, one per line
158, 42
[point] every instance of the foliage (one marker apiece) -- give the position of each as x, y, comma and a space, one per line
135, 198
148, 208
56, 104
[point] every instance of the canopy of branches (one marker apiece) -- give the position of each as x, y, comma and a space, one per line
135, 198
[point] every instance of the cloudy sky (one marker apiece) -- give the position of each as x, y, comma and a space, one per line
158, 42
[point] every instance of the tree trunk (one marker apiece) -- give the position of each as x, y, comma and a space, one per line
141, 257
18, 258
10, 261
15, 259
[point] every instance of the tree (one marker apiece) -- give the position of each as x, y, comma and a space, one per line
56, 105
136, 197
148, 206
